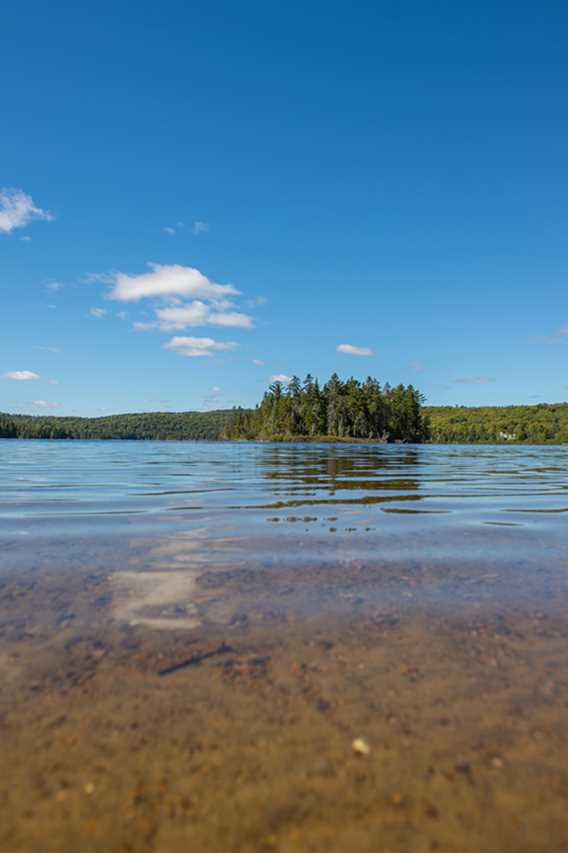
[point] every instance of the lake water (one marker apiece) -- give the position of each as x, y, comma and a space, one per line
387, 502
297, 596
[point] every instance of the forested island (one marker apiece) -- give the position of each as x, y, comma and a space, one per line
303, 410
351, 409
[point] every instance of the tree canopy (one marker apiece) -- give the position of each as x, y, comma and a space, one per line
545, 423
344, 409
178, 426
350, 409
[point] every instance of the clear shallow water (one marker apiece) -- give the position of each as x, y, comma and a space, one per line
192, 636
65, 504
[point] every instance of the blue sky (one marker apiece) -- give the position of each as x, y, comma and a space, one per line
201, 196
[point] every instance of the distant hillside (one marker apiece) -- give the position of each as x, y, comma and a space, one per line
179, 426
541, 424
545, 423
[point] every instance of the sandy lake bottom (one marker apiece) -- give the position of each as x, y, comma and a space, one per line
315, 674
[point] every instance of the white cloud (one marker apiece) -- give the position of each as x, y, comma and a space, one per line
44, 404
25, 239
198, 347
350, 349
200, 228
195, 313
475, 380
258, 362
54, 286
21, 375
168, 280
231, 318
280, 377
98, 312
17, 210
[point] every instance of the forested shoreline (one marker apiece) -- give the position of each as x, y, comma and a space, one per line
544, 423
170, 426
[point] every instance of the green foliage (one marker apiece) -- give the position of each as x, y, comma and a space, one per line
179, 426
546, 423
350, 409
7, 427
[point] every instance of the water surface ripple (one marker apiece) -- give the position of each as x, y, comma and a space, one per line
94, 503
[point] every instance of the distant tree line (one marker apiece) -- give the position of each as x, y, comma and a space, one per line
350, 409
179, 426
545, 423
343, 409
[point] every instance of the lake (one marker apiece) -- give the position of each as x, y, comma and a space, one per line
196, 639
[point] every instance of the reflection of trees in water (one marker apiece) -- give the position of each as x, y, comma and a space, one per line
308, 469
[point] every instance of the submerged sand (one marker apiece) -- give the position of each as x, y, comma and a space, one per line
233, 730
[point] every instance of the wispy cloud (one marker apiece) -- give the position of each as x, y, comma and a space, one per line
200, 228
198, 347
25, 239
231, 318
417, 366
212, 399
98, 312
474, 380
54, 286
21, 375
172, 230
257, 301
44, 404
17, 209
280, 377
259, 362
53, 381
350, 349
199, 314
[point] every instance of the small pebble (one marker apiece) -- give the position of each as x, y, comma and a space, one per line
360, 746
89, 788
497, 762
